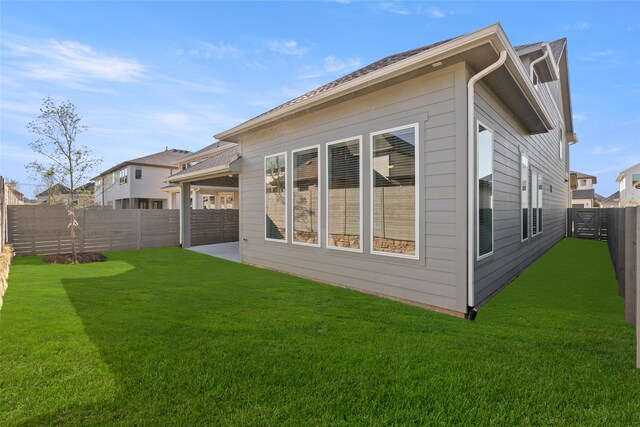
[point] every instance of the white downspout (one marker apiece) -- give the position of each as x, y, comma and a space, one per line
547, 52
471, 182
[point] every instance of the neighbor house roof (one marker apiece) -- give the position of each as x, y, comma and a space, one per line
218, 161
580, 175
614, 198
166, 158
583, 194
624, 172
63, 189
479, 49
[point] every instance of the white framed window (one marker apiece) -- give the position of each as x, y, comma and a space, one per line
305, 187
484, 191
394, 206
524, 197
138, 173
123, 176
275, 201
343, 161
539, 204
561, 143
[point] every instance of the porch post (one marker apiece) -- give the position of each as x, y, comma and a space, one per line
185, 214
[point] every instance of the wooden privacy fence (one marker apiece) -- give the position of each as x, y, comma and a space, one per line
214, 226
587, 223
624, 234
43, 230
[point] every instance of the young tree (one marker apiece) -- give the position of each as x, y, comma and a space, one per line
67, 162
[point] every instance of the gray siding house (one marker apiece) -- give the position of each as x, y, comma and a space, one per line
433, 176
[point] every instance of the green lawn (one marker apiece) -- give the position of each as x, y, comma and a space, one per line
168, 336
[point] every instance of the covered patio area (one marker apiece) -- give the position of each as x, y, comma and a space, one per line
207, 194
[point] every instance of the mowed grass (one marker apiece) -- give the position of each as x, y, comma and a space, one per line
172, 337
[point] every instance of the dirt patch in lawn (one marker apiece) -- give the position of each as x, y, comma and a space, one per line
83, 258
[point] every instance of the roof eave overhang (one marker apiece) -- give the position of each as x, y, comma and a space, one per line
493, 34
232, 167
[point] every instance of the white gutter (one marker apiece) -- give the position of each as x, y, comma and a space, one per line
471, 182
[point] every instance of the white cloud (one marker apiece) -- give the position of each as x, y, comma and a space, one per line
435, 12
330, 65
579, 116
595, 56
333, 65
601, 150
287, 47
210, 50
393, 7
577, 26
69, 62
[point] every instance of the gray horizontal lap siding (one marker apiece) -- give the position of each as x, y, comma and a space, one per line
511, 256
438, 277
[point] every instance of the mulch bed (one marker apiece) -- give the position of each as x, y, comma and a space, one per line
83, 258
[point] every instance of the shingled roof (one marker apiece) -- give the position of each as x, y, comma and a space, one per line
166, 158
557, 48
222, 158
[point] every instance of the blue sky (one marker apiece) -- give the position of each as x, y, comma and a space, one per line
146, 75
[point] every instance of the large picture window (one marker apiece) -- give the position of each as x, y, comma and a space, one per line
306, 197
485, 191
394, 202
344, 198
524, 196
276, 197
539, 189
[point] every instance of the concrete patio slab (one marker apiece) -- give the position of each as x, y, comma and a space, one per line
229, 251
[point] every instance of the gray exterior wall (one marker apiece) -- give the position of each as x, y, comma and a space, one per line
437, 102
511, 255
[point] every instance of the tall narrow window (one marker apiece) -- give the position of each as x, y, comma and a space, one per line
561, 143
539, 204
534, 204
306, 208
344, 199
524, 196
276, 197
394, 230
138, 173
485, 191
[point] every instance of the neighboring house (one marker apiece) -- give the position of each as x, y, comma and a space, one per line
582, 192
136, 184
221, 194
613, 201
629, 181
433, 176
58, 194
13, 196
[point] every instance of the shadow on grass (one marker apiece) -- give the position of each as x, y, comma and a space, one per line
197, 340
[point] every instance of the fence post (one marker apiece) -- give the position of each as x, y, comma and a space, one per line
139, 229
630, 247
619, 265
